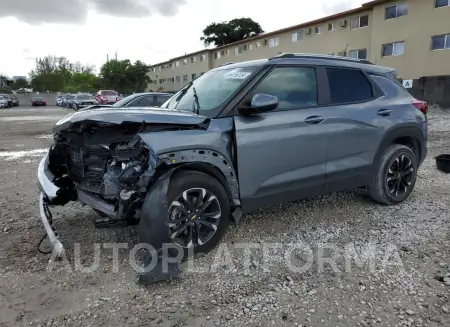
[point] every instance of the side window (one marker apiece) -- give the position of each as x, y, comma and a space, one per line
348, 86
140, 102
160, 99
144, 102
295, 87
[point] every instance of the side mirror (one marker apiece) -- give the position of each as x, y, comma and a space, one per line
260, 103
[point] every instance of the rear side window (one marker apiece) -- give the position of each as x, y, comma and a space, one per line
161, 99
348, 86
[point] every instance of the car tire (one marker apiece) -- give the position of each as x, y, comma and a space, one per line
396, 175
193, 183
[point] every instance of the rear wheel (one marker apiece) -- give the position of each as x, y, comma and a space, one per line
396, 175
199, 211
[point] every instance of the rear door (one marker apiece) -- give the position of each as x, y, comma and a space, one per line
281, 154
356, 118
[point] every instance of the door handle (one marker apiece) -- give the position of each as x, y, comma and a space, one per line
384, 112
314, 120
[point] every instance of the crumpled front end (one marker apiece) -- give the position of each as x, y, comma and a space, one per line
109, 167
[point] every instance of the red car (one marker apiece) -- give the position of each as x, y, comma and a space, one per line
107, 97
38, 101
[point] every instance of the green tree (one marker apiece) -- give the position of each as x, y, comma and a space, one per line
232, 31
124, 77
20, 83
56, 73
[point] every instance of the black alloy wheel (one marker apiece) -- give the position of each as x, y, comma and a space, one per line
400, 175
194, 217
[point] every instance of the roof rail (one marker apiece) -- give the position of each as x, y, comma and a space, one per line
320, 56
227, 63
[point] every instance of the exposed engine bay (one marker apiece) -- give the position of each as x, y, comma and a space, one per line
104, 166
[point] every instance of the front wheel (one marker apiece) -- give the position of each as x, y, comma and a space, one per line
396, 175
199, 211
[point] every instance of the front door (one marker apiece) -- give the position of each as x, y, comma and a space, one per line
281, 155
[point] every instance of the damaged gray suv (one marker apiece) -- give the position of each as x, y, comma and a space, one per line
239, 138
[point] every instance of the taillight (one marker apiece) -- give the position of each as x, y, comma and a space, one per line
421, 105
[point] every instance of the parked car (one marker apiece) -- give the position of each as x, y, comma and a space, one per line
59, 100
82, 101
236, 139
3, 102
107, 97
148, 99
68, 100
15, 101
8, 99
38, 101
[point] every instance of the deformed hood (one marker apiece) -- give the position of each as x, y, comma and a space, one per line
137, 115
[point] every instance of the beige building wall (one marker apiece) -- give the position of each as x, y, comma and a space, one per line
328, 42
415, 29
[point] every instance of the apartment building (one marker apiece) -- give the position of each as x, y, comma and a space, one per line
412, 36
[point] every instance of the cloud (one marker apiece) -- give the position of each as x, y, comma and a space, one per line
75, 11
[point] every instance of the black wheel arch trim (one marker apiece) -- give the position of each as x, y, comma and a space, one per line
210, 162
405, 130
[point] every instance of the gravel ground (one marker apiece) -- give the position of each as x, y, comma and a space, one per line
387, 266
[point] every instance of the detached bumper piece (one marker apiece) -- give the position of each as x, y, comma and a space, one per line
47, 221
153, 230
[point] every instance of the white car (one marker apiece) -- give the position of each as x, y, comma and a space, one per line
3, 102
59, 100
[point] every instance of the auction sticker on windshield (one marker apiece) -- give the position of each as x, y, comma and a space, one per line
236, 74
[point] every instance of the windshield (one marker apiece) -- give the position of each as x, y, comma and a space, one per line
109, 93
125, 100
210, 90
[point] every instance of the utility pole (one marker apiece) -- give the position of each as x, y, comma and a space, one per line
107, 57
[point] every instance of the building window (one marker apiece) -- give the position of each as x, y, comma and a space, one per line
184, 61
440, 42
318, 29
359, 54
331, 26
393, 49
185, 78
258, 44
274, 42
294, 37
238, 50
228, 52
396, 11
193, 59
442, 3
177, 63
359, 22
203, 57
160, 68
194, 76
177, 79
250, 46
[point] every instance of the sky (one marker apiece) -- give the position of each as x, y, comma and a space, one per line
152, 31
